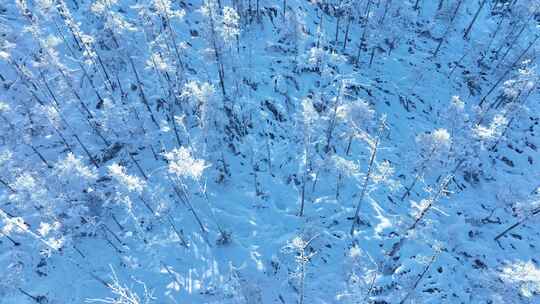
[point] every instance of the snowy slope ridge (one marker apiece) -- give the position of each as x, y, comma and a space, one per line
258, 151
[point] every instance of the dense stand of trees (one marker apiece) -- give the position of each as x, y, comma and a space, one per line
119, 122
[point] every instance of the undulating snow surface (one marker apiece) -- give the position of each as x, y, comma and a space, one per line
260, 151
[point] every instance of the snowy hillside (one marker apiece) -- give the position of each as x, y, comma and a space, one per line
263, 151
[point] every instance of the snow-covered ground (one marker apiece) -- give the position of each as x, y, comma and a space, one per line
218, 151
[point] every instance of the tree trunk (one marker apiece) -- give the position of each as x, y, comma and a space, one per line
372, 56
319, 31
457, 64
182, 195
364, 32
417, 5
420, 277
511, 44
439, 7
346, 38
365, 184
533, 213
142, 95
3, 182
508, 71
332, 124
386, 8
40, 156
492, 38
337, 31
456, 11
468, 30
303, 194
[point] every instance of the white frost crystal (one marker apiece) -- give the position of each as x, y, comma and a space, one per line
131, 183
183, 164
526, 274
